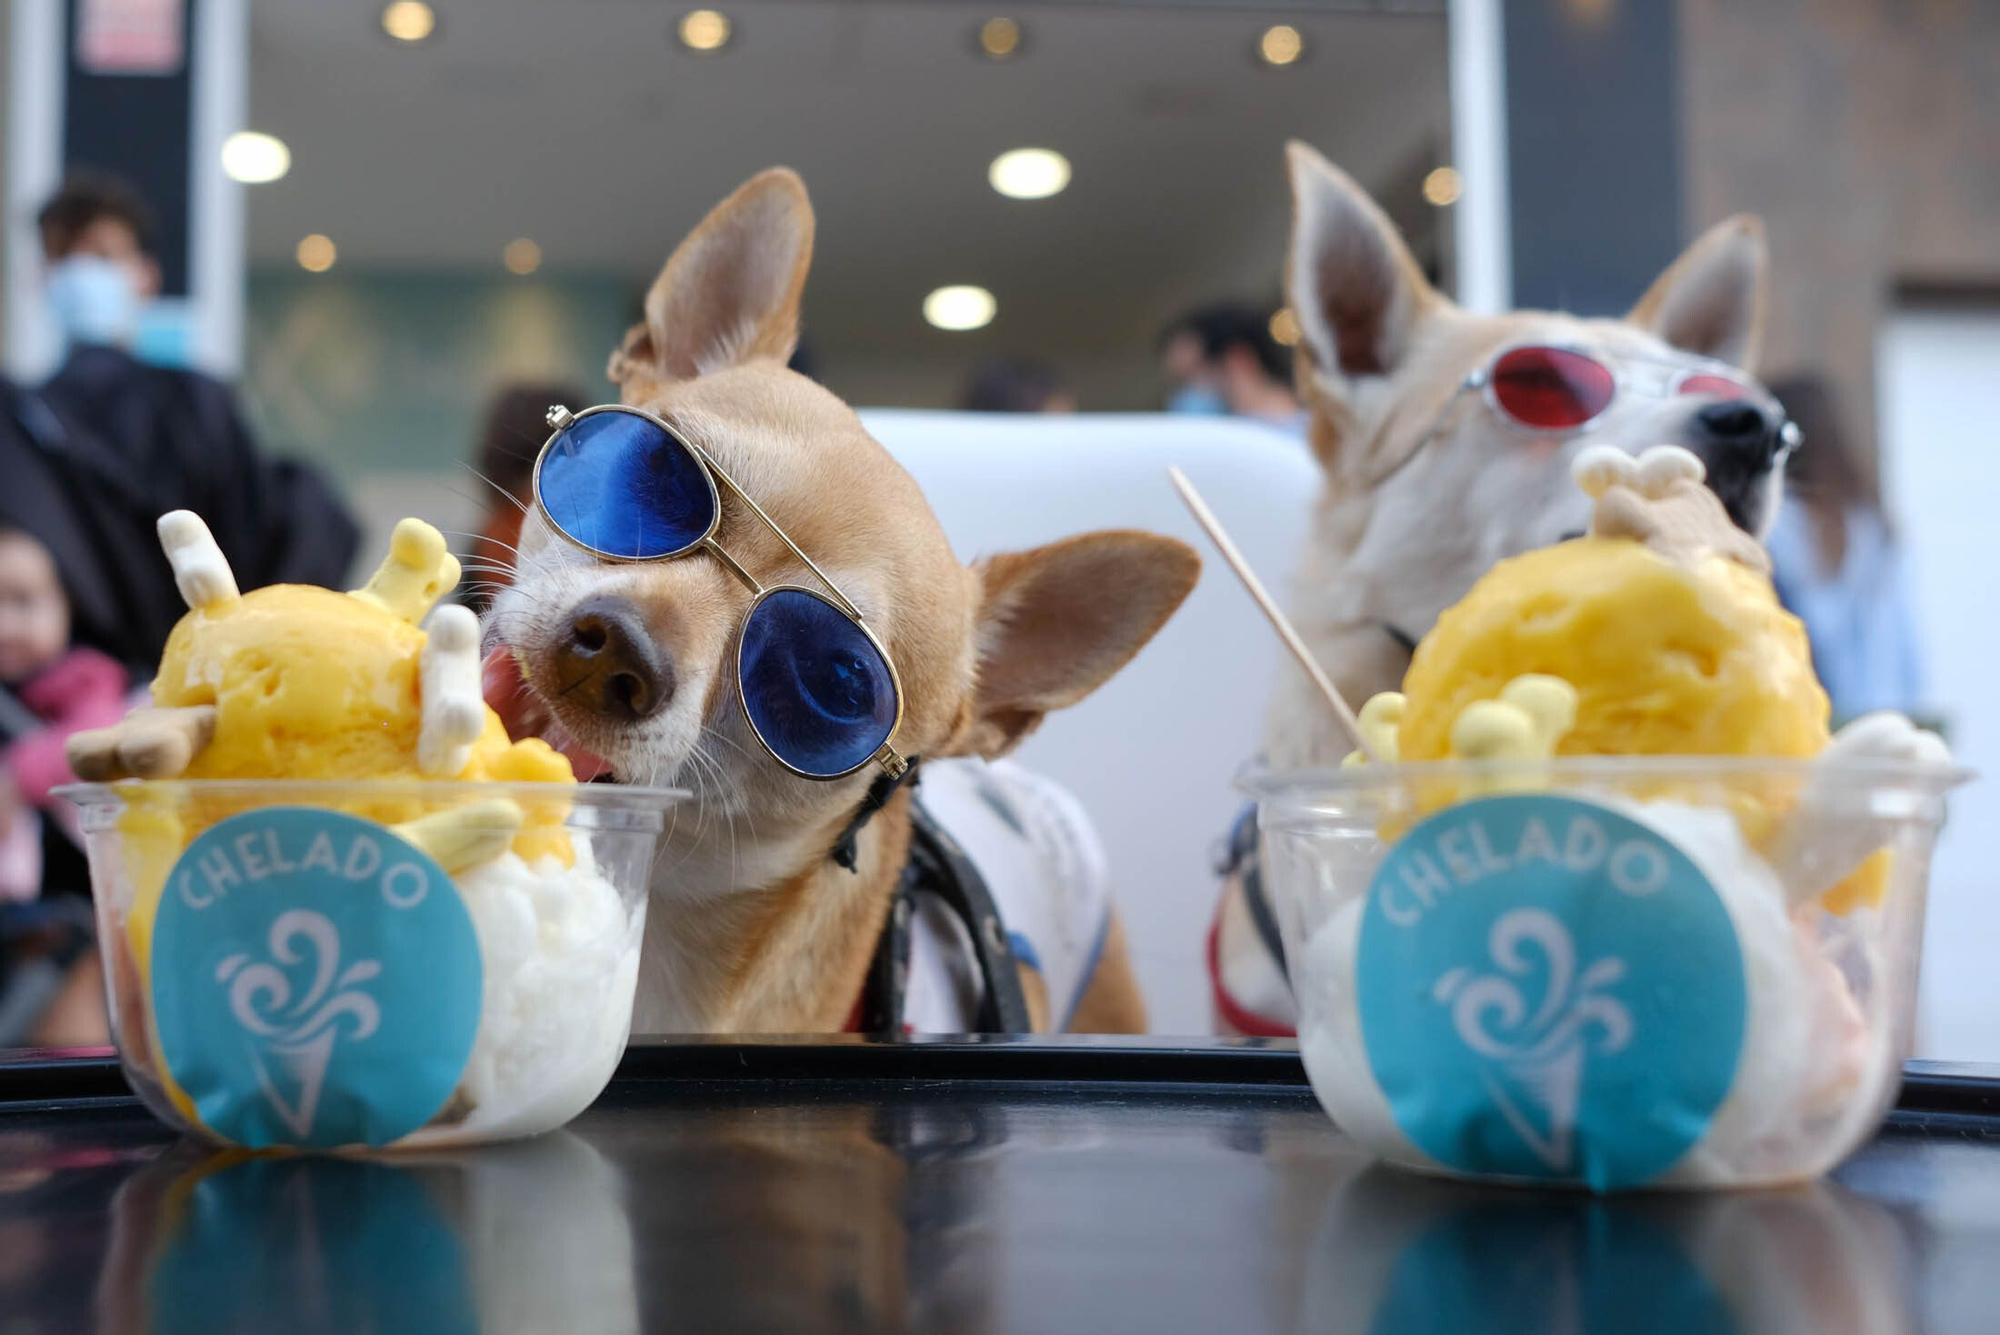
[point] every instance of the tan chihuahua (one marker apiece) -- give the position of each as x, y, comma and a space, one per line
752, 926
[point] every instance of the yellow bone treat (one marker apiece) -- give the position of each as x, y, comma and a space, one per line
417, 572
463, 837
1380, 717
1525, 724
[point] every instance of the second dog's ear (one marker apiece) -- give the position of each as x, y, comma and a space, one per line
1350, 280
729, 292
1056, 622
1711, 300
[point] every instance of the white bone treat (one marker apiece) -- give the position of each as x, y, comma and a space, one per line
1805, 1044
1828, 835
453, 711
201, 571
561, 958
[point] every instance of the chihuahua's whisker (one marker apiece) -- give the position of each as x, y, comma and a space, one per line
731, 806
480, 537
516, 501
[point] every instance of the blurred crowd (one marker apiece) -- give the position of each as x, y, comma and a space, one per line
112, 440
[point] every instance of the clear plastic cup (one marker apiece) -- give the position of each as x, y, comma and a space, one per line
1604, 972
284, 968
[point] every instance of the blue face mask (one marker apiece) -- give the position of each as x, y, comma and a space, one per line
95, 300
1198, 399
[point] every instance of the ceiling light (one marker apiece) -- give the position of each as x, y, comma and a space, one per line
521, 256
409, 20
1280, 44
1000, 38
316, 253
704, 30
254, 158
960, 307
1285, 327
1029, 173
1443, 186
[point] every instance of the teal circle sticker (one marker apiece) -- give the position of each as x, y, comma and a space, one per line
1550, 989
316, 980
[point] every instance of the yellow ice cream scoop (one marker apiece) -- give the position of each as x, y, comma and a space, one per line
1663, 620
1658, 634
1665, 659
296, 682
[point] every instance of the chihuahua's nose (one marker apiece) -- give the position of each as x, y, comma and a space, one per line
1737, 437
609, 663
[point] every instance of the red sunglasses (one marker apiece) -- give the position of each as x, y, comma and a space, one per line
1547, 388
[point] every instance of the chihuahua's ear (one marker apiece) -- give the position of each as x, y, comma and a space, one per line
730, 292
1350, 280
1056, 622
1711, 300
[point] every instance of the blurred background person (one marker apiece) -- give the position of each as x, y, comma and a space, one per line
49, 689
126, 441
1222, 359
1016, 385
511, 435
1837, 563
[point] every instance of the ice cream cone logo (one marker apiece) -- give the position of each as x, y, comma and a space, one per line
292, 1040
1535, 1054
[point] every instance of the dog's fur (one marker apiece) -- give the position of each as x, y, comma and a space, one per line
1426, 488
751, 927
1401, 532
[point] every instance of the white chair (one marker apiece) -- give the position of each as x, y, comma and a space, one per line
1152, 754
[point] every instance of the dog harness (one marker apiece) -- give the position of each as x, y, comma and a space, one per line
1004, 873
1246, 952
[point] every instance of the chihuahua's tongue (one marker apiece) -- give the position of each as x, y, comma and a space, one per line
526, 716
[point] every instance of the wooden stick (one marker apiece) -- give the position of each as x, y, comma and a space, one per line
1265, 603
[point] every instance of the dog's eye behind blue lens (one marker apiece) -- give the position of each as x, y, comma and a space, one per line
621, 485
817, 690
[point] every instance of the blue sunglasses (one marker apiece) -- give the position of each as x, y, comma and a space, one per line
817, 687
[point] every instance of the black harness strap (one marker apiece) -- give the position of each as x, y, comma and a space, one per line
879, 793
939, 867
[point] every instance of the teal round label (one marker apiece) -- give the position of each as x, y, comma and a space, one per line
1548, 989
316, 980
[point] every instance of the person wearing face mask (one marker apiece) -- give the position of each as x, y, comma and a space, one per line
111, 442
1221, 360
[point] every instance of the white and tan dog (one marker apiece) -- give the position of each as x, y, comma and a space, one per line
752, 927
1428, 482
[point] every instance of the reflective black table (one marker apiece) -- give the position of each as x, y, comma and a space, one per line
964, 1187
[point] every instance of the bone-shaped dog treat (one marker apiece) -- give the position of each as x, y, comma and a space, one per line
466, 836
145, 744
416, 572
1380, 720
201, 571
1526, 723
1658, 499
453, 710
1831, 832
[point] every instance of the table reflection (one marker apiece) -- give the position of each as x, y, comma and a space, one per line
530, 1237
1399, 1253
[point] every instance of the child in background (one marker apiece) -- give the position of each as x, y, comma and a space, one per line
59, 691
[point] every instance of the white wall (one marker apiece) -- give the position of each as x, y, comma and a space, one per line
1939, 398
1151, 754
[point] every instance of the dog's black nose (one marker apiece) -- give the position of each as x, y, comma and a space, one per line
610, 664
1737, 436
